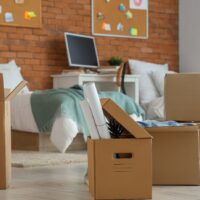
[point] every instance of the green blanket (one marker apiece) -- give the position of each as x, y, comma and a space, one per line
49, 104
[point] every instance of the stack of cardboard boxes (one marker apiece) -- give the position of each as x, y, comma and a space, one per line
175, 150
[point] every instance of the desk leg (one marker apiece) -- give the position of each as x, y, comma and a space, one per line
5, 145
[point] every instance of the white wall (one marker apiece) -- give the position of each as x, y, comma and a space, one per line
189, 35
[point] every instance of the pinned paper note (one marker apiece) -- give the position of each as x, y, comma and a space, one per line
138, 4
133, 31
129, 14
28, 15
100, 16
122, 7
19, 1
9, 17
105, 26
0, 9
120, 27
107, 1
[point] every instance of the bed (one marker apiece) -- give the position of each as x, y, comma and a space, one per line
65, 127
24, 127
27, 134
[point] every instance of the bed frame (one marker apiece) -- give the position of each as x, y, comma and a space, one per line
41, 142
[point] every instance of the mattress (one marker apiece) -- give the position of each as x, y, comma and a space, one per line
63, 131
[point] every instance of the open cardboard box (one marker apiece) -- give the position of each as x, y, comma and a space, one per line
128, 176
5, 132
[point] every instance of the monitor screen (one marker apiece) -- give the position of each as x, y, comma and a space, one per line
81, 51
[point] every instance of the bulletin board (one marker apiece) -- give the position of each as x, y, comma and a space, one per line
120, 18
25, 13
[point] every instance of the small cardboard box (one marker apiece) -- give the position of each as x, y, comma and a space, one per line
128, 176
5, 133
176, 155
182, 97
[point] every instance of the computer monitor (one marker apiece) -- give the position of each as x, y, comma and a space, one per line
81, 50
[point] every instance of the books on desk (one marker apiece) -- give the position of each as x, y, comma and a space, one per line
100, 70
108, 70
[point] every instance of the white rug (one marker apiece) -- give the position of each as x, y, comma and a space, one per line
24, 159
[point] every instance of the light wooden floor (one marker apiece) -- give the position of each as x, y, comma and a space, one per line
67, 183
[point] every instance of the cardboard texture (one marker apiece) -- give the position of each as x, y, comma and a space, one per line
182, 97
112, 177
5, 133
176, 153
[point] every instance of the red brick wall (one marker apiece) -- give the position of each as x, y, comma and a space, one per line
41, 52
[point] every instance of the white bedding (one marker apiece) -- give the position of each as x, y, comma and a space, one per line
63, 130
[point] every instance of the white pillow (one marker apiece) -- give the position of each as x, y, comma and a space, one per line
140, 67
147, 90
8, 66
12, 77
158, 78
155, 109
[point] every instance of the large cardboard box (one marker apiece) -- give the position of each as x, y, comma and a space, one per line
5, 133
176, 155
182, 97
128, 176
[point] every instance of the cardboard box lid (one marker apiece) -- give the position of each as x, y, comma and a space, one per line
7, 96
124, 119
182, 97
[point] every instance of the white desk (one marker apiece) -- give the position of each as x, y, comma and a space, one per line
104, 82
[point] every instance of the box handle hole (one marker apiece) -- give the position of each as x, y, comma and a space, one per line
122, 155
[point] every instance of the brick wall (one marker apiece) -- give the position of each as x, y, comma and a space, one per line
41, 52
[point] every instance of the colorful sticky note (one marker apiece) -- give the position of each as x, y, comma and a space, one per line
100, 16
105, 26
129, 14
120, 27
133, 31
19, 1
28, 15
138, 4
122, 7
9, 17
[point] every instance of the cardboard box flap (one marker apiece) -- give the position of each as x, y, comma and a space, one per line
113, 110
14, 92
1, 88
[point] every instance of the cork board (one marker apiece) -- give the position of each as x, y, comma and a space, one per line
25, 13
120, 18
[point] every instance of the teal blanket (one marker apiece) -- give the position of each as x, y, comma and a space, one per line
49, 104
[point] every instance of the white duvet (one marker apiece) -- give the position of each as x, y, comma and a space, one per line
63, 130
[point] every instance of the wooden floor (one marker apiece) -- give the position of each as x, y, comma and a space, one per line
67, 183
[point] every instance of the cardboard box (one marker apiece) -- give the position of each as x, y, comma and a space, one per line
176, 155
182, 97
5, 133
128, 176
